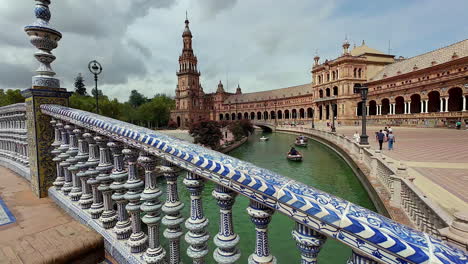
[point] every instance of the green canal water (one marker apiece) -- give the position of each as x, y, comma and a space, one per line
321, 168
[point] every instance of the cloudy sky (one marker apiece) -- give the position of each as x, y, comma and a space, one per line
261, 44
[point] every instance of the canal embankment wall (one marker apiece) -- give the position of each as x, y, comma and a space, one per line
390, 187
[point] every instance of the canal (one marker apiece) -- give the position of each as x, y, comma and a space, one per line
321, 168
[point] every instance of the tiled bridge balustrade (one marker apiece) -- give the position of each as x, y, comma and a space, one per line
104, 172
13, 139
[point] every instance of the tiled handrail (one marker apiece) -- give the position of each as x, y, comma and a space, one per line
315, 212
13, 139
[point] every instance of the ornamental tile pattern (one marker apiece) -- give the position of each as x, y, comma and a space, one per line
6, 217
372, 233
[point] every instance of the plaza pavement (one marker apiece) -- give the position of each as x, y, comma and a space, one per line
436, 157
42, 232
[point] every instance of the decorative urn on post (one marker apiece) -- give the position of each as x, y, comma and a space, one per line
45, 39
45, 90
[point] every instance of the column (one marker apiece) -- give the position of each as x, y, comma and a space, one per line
81, 159
409, 108
261, 217
171, 209
464, 103
197, 235
357, 258
426, 106
123, 227
45, 89
97, 207
108, 217
226, 239
59, 180
355, 110
71, 152
138, 240
367, 110
309, 242
86, 198
442, 104
393, 108
446, 104
152, 207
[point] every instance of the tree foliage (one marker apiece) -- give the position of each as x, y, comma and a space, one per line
153, 113
136, 99
207, 133
79, 85
10, 97
241, 128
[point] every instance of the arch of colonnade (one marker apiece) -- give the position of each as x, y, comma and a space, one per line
453, 99
269, 114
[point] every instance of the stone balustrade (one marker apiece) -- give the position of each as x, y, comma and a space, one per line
426, 215
13, 139
132, 228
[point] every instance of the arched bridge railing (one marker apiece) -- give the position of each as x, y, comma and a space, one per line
13, 139
97, 159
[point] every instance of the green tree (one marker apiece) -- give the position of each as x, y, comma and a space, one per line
79, 85
207, 133
136, 99
10, 97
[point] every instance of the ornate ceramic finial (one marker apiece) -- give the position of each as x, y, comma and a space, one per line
45, 39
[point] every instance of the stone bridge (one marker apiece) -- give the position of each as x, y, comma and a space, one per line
89, 165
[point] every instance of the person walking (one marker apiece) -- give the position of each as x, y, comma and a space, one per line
391, 140
356, 137
380, 138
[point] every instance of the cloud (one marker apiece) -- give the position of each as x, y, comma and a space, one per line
255, 43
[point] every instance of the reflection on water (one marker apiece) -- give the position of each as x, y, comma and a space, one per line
320, 168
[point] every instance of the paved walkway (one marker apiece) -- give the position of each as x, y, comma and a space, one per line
436, 157
42, 232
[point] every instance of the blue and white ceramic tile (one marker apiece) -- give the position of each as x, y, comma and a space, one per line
6, 217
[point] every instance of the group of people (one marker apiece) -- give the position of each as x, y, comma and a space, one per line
385, 135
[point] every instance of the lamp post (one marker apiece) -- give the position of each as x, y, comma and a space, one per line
265, 116
236, 109
95, 68
313, 117
359, 89
333, 130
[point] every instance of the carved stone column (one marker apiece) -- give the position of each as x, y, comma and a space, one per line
138, 240
86, 198
172, 207
61, 156
59, 180
123, 228
98, 205
226, 239
197, 236
108, 217
152, 207
71, 152
309, 243
261, 217
357, 258
80, 159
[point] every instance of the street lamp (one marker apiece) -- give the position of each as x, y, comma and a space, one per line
265, 116
95, 68
359, 89
333, 130
276, 113
313, 117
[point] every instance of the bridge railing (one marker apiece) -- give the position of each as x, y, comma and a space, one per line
423, 213
13, 139
97, 160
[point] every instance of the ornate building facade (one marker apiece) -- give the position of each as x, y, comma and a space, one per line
429, 90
